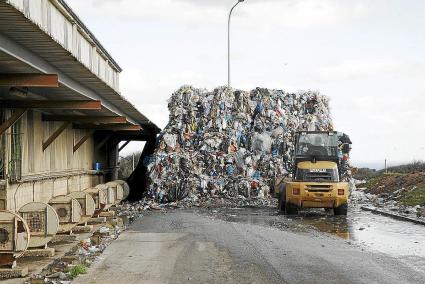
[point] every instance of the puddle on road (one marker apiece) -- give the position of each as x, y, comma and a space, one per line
380, 233
387, 235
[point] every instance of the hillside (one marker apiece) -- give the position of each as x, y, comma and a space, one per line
406, 188
400, 186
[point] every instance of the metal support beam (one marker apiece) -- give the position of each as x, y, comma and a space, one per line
47, 104
112, 127
12, 48
55, 135
83, 140
124, 145
141, 138
115, 144
103, 142
85, 119
29, 80
14, 118
134, 135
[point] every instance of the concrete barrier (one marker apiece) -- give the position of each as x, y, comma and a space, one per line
393, 215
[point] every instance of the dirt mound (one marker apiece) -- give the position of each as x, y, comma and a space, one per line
408, 189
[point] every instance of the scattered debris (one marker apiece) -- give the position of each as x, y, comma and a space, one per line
403, 193
85, 252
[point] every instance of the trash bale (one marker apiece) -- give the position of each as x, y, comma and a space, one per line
230, 143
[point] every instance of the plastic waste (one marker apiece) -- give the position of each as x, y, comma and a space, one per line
232, 143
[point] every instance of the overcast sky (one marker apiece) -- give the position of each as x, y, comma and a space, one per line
367, 56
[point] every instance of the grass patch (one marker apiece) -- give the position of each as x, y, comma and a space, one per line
77, 270
374, 182
414, 197
395, 174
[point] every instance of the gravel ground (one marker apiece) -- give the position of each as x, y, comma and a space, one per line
187, 246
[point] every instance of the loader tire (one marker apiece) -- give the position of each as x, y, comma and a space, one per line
291, 209
282, 199
281, 204
341, 210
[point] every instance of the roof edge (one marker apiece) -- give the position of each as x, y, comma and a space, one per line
90, 34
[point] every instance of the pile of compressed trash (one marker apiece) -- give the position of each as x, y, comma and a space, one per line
230, 143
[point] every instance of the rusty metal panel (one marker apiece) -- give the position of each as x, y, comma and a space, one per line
85, 118
29, 80
49, 104
112, 127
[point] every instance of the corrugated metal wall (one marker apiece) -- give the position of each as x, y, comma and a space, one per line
55, 23
52, 172
59, 155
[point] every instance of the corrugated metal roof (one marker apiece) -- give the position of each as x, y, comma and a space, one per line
14, 25
84, 27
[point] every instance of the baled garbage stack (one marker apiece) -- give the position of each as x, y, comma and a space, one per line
230, 143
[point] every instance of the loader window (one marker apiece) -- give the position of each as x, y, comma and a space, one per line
326, 175
317, 144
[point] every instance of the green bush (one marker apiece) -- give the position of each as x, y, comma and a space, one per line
126, 165
77, 270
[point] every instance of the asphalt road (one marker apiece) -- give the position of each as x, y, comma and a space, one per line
186, 246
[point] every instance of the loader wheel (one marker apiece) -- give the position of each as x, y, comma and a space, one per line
282, 198
291, 209
341, 210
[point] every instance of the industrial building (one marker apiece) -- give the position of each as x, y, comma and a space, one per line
61, 112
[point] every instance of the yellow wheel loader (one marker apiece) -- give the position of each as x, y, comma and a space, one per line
316, 174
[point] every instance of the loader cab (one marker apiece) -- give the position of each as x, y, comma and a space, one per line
313, 147
319, 145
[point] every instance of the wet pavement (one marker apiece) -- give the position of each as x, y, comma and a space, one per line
375, 232
252, 245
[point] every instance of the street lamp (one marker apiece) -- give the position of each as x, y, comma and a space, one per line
228, 43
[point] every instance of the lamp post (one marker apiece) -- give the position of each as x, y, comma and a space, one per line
228, 42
